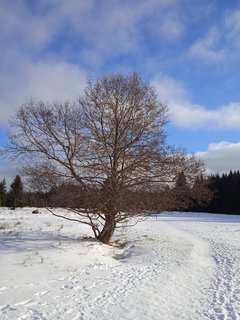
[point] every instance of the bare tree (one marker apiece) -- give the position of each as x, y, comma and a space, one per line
111, 143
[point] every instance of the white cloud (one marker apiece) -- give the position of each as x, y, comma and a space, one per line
189, 115
54, 80
169, 89
221, 157
186, 114
47, 80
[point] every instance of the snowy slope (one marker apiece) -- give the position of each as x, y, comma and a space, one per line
176, 266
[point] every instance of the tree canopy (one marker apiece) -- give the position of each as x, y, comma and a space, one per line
111, 143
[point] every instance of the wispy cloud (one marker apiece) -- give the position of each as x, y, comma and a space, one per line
22, 29
48, 47
221, 42
120, 26
232, 27
207, 48
104, 28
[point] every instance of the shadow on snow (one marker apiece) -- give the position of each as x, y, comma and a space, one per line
13, 242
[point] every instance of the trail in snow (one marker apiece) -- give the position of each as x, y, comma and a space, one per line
179, 266
223, 236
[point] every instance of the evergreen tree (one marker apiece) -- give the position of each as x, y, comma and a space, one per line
15, 194
181, 182
3, 193
181, 192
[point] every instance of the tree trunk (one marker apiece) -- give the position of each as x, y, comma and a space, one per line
107, 232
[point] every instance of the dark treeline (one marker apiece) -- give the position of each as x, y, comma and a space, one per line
223, 195
225, 190
178, 196
17, 197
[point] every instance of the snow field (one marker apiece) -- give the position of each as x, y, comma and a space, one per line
178, 266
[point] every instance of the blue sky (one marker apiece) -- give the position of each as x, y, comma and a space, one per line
188, 49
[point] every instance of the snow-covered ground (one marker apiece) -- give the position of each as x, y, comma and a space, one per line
177, 266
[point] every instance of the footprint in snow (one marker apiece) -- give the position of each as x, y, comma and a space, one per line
67, 286
6, 308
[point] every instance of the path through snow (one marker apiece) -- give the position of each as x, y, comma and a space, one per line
178, 266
